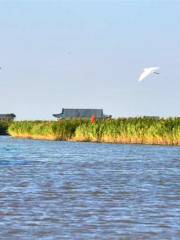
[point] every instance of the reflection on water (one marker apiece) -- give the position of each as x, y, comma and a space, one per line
64, 190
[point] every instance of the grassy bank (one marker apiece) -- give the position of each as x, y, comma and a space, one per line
4, 125
130, 130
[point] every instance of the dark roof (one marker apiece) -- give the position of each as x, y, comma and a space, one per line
5, 116
80, 113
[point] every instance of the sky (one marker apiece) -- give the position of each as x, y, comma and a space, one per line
89, 54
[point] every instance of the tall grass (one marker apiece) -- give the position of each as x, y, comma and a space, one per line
127, 130
50, 130
132, 130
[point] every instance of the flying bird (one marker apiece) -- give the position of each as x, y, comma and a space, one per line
147, 72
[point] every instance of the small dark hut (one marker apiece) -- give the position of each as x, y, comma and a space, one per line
69, 113
7, 117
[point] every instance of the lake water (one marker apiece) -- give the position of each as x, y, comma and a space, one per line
65, 190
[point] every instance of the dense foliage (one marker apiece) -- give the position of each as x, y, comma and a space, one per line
4, 127
126, 130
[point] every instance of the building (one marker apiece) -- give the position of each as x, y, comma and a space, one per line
152, 117
7, 117
69, 113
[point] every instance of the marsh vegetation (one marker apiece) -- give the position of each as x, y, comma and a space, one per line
125, 130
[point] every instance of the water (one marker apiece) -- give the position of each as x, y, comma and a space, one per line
64, 190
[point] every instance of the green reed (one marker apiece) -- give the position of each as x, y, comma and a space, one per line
123, 130
60, 130
132, 130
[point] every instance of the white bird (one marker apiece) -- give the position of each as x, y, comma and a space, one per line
147, 72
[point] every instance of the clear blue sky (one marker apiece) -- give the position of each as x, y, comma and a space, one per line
89, 54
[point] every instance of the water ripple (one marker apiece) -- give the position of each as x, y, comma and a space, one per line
63, 190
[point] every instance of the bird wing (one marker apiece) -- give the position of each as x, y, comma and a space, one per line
153, 68
145, 73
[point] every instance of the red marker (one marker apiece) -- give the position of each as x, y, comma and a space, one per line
93, 119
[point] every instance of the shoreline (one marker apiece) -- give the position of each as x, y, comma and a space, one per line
120, 141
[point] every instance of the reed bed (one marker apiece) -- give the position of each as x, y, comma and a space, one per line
124, 130
132, 130
49, 130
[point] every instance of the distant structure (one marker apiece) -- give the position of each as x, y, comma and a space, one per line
7, 117
152, 117
69, 113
